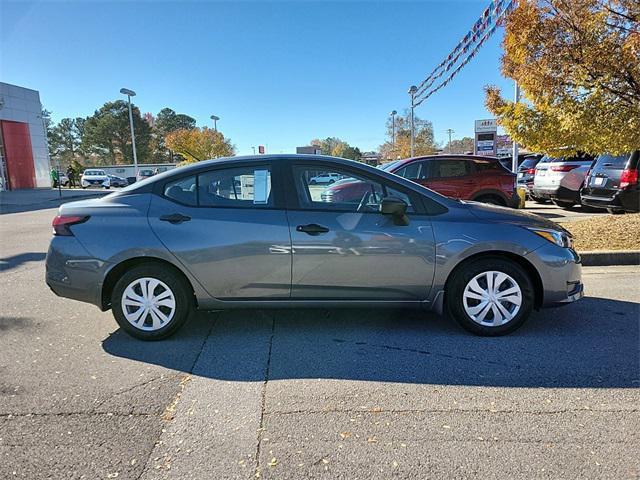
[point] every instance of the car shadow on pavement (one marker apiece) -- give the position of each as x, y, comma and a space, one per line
9, 263
590, 344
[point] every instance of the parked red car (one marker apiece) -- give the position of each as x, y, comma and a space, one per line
466, 177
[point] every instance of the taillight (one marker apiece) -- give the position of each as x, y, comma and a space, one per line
629, 177
563, 168
531, 171
61, 224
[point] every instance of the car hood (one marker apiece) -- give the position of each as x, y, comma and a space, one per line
494, 213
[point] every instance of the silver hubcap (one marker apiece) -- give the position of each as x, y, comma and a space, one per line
148, 304
492, 298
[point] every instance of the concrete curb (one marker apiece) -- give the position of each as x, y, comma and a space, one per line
604, 258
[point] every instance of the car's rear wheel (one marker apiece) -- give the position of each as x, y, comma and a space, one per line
490, 296
539, 199
151, 302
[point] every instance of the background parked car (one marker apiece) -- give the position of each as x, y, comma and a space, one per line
144, 173
95, 178
466, 177
526, 173
560, 179
612, 183
324, 179
118, 181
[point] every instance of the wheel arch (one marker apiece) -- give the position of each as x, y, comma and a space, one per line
490, 193
528, 267
117, 270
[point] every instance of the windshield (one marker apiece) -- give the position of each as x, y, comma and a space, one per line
387, 166
94, 172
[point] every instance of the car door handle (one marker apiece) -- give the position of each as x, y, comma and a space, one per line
175, 218
312, 229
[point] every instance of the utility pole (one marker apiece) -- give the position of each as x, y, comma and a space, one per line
215, 122
449, 131
514, 153
412, 92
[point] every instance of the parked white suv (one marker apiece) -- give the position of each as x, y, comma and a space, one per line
95, 178
560, 179
324, 178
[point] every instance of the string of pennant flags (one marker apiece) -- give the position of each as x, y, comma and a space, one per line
479, 33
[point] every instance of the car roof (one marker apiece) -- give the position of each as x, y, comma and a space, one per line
446, 156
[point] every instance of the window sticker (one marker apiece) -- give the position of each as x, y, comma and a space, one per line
261, 187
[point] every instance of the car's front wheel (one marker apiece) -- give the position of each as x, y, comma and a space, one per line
151, 302
490, 296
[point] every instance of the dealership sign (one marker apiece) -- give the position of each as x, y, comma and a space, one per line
485, 137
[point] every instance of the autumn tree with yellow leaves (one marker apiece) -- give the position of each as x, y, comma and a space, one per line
578, 65
198, 144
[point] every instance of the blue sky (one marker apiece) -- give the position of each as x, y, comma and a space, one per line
277, 73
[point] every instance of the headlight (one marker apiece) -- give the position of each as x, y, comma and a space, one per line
560, 238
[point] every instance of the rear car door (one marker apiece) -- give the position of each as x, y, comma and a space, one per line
449, 176
227, 226
344, 248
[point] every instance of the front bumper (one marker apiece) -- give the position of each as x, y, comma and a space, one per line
560, 271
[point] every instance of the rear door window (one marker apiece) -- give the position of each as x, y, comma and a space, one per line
236, 187
449, 168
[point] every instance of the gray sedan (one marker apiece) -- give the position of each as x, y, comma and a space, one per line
254, 232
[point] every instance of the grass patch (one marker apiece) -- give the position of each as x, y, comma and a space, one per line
606, 232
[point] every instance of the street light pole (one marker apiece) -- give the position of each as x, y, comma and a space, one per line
412, 92
514, 153
129, 94
215, 122
393, 130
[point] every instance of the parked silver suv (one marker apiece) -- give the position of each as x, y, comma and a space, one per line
560, 179
253, 232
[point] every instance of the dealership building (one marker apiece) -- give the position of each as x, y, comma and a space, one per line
24, 156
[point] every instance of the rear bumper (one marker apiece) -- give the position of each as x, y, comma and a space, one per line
560, 193
627, 200
72, 273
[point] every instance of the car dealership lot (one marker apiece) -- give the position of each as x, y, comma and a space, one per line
294, 393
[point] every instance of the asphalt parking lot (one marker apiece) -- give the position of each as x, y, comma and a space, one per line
312, 393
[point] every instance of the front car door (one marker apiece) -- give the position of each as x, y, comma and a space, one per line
228, 227
344, 248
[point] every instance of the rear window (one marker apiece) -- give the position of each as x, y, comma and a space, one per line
616, 161
529, 163
94, 172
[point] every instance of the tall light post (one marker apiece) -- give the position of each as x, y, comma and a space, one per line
215, 122
514, 153
129, 94
393, 129
412, 92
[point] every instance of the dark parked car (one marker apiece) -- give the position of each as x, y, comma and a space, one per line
251, 232
466, 177
612, 183
118, 181
526, 173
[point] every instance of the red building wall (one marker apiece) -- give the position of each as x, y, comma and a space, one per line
18, 155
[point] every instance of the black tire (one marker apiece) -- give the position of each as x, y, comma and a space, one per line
492, 200
564, 205
463, 275
181, 290
312, 182
539, 200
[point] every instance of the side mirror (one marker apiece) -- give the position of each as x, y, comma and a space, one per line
397, 208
